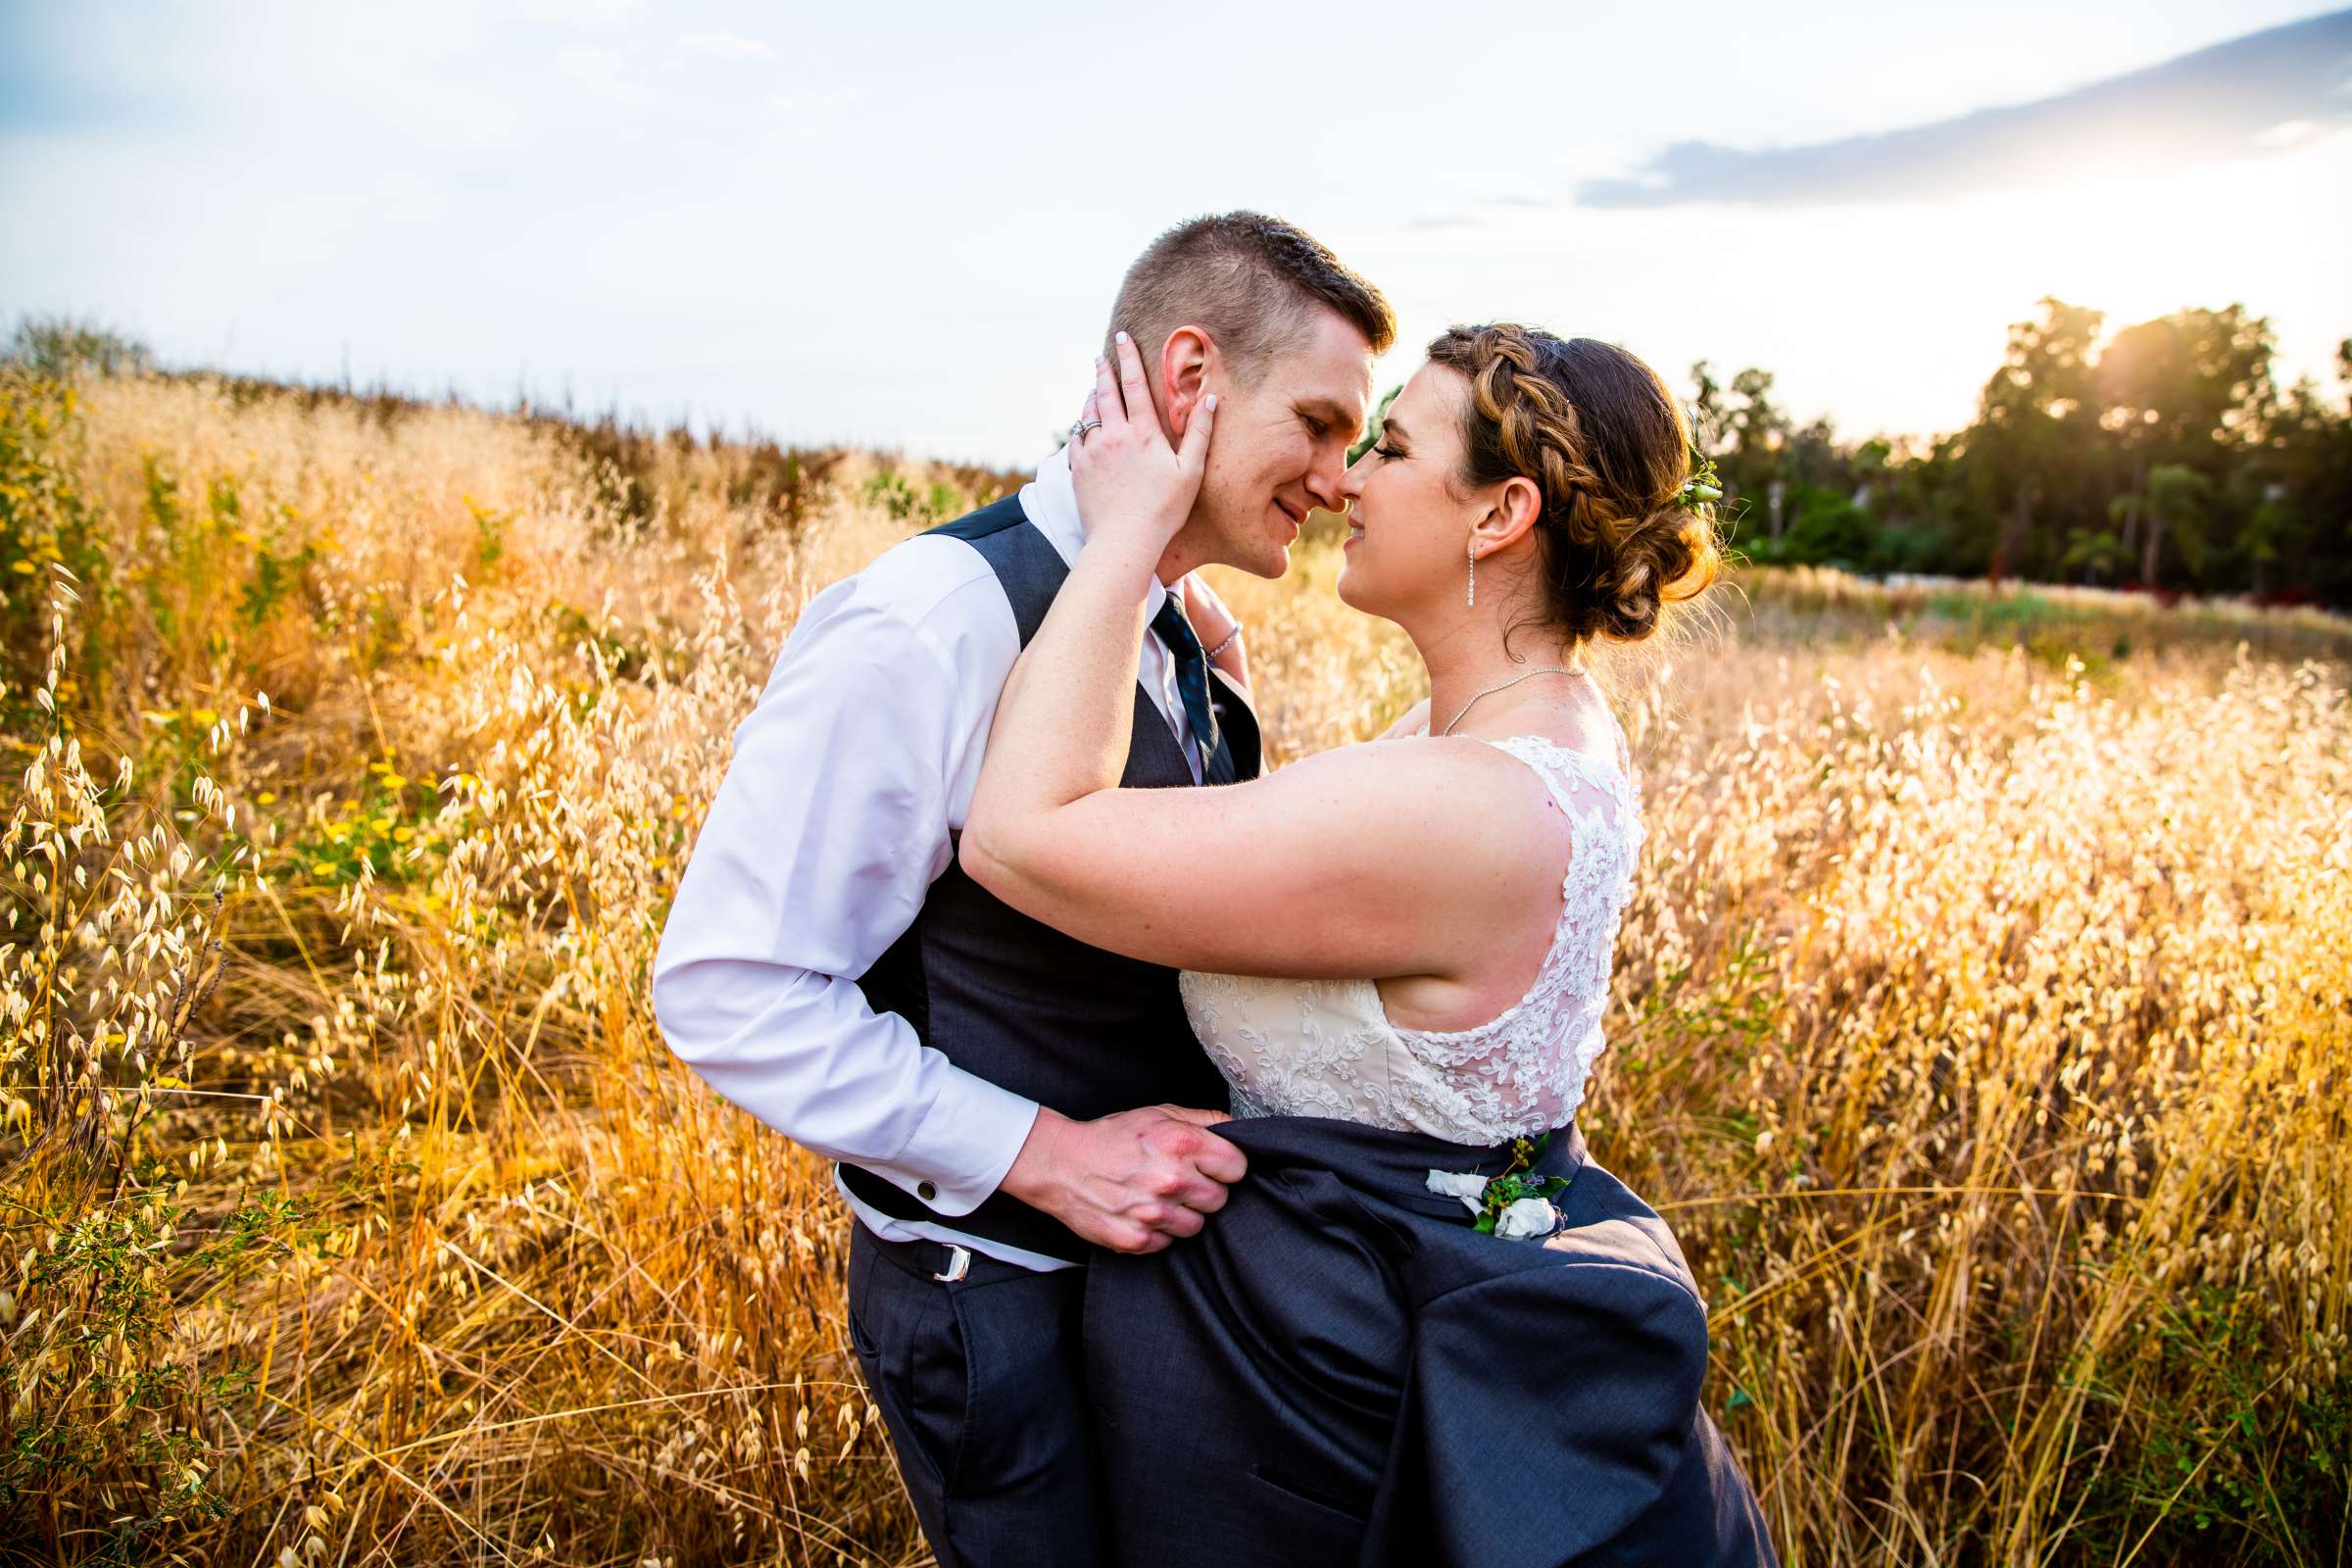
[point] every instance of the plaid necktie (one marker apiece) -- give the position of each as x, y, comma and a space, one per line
1192, 680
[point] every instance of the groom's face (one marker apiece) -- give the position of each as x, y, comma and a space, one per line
1281, 445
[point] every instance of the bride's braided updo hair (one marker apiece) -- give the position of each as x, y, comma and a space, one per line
1609, 449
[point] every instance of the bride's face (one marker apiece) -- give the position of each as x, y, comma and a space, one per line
1408, 526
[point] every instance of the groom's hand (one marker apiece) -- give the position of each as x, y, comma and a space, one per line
1132, 1182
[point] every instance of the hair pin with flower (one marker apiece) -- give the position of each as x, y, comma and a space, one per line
1704, 484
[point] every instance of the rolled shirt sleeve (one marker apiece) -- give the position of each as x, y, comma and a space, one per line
828, 829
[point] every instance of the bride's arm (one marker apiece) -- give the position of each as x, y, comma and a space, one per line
1368, 862
1063, 723
1217, 627
1360, 862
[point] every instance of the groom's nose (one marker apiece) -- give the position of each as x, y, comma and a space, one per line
1325, 480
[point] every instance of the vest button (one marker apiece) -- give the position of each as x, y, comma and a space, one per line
925, 1191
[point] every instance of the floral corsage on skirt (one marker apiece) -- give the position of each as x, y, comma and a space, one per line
1511, 1205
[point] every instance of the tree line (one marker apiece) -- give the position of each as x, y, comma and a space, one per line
2165, 456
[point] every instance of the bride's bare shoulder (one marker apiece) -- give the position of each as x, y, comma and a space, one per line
1422, 783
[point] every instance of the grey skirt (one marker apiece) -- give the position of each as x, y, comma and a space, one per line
1341, 1370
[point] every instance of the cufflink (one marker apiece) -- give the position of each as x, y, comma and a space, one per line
925, 1191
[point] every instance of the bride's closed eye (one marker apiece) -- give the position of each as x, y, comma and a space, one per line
1388, 452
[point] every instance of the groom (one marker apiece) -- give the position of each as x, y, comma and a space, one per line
1000, 1095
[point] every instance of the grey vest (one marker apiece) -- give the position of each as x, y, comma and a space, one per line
1013, 1001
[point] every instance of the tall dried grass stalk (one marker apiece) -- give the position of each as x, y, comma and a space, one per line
1983, 1025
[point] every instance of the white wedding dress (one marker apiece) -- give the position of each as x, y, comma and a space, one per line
1326, 1048
1358, 1373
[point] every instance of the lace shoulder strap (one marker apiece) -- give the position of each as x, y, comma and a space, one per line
1550, 761
1561, 767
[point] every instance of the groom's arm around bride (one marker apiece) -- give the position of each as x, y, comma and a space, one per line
837, 813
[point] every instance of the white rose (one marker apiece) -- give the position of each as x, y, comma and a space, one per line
1528, 1217
1468, 1186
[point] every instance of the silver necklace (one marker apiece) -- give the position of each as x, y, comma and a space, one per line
1548, 670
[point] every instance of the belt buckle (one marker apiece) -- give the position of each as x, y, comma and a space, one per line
959, 1263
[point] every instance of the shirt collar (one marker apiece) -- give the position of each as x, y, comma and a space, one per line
1050, 501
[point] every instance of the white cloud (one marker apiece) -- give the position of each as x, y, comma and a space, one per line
726, 46
590, 62
580, 13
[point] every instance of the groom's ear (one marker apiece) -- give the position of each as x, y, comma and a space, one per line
1185, 361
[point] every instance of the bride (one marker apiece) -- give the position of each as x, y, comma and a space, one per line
1425, 1326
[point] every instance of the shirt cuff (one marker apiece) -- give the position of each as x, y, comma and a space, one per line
958, 1155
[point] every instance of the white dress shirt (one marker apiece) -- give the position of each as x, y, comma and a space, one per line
827, 831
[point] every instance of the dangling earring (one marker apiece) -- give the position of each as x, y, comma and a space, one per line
1473, 599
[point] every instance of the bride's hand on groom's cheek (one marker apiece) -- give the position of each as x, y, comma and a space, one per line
1133, 487
1132, 1182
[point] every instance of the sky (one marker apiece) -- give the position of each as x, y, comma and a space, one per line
902, 226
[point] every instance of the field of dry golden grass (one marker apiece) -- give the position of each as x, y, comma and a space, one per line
1983, 1025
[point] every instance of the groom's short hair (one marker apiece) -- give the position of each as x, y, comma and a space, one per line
1251, 282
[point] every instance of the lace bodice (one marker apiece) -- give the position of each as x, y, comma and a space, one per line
1326, 1048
